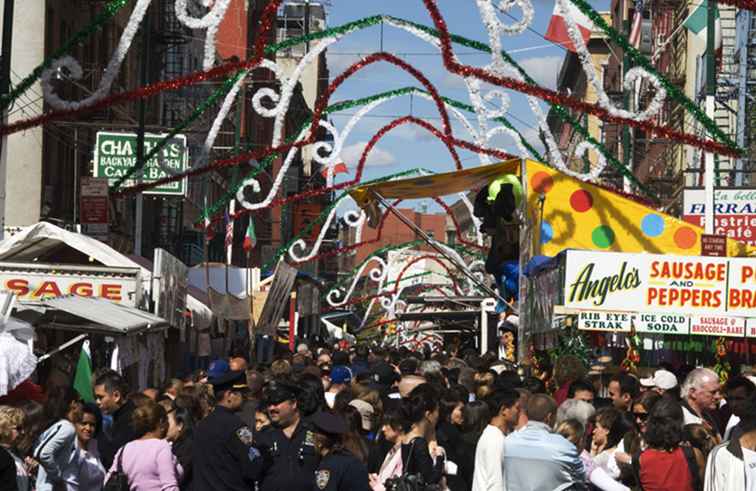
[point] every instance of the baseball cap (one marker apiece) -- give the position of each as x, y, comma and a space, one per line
217, 369
384, 375
366, 412
663, 379
341, 375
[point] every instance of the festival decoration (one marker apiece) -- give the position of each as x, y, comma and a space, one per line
722, 367
632, 357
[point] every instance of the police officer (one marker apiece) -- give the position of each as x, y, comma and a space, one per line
339, 470
223, 454
290, 445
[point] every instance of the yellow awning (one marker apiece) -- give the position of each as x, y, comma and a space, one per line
431, 186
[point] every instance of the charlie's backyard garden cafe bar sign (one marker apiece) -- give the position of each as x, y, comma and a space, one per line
661, 294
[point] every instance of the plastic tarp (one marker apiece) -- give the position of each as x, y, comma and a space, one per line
580, 215
228, 289
576, 214
430, 186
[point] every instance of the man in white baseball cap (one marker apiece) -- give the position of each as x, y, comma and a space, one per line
661, 382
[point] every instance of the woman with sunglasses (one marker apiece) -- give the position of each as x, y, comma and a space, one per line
91, 470
13, 472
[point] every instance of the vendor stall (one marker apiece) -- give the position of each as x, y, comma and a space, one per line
677, 307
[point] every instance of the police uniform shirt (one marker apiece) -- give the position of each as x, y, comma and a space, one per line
341, 471
293, 462
223, 454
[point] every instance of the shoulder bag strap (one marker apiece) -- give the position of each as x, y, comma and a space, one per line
119, 466
690, 457
405, 466
636, 465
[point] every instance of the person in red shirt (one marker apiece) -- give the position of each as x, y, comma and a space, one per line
668, 463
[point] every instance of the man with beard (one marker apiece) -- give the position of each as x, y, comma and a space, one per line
290, 445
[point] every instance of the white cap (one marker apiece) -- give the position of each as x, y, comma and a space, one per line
662, 379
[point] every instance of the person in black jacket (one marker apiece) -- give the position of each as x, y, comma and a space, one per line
110, 391
223, 454
420, 452
7, 471
339, 470
181, 435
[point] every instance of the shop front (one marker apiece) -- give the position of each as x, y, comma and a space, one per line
680, 309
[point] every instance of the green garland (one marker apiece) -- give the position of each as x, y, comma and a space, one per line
643, 62
108, 12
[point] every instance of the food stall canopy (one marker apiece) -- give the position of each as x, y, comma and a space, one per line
102, 316
43, 240
430, 186
575, 214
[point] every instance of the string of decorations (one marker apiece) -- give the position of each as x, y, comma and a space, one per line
643, 62
451, 64
107, 13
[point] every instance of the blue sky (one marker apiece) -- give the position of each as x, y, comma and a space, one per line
406, 147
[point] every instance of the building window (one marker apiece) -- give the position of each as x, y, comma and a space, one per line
451, 237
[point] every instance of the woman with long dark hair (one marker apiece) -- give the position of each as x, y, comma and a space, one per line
56, 447
668, 464
419, 455
393, 433
181, 435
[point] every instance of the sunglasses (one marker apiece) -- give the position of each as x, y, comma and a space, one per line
641, 416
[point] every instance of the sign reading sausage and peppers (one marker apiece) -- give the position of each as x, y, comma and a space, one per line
608, 281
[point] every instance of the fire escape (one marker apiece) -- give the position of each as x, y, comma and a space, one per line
746, 97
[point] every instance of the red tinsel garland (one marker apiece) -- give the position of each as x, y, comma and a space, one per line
266, 21
562, 100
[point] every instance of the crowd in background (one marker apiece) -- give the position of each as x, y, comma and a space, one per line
386, 419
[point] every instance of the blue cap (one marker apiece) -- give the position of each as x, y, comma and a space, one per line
218, 368
341, 375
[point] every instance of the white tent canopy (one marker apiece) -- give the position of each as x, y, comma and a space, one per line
37, 241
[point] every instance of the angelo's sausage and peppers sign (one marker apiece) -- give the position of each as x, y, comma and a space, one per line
660, 283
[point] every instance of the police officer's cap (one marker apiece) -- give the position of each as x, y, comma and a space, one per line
328, 423
233, 380
280, 391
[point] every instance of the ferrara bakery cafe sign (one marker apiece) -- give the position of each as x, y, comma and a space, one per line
661, 294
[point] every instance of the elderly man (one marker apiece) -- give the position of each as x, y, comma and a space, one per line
700, 395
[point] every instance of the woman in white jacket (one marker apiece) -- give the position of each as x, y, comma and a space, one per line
56, 449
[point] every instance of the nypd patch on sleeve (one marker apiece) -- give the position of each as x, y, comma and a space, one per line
322, 478
245, 435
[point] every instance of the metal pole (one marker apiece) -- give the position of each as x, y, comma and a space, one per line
626, 151
5, 69
711, 90
140, 163
431, 242
76, 176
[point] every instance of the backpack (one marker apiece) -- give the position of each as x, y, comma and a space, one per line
118, 481
690, 458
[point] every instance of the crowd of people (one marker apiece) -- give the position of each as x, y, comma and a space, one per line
386, 419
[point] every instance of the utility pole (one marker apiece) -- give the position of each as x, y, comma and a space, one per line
4, 89
711, 90
144, 64
626, 151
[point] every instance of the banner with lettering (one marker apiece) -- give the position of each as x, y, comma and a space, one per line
652, 283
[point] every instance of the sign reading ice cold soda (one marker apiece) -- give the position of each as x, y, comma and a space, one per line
660, 284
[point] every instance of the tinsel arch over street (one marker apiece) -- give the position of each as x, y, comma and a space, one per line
488, 85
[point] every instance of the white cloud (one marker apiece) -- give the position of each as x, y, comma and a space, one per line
543, 69
351, 155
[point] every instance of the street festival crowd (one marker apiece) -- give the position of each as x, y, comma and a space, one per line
370, 418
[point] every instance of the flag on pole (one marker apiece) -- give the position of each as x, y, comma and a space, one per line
697, 20
229, 231
83, 376
339, 168
557, 31
250, 238
635, 32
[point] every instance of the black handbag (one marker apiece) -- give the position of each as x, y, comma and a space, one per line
118, 481
407, 481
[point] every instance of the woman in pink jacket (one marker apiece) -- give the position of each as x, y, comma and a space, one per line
148, 462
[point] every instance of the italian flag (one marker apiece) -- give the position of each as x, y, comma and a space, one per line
698, 20
250, 239
557, 31
83, 377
